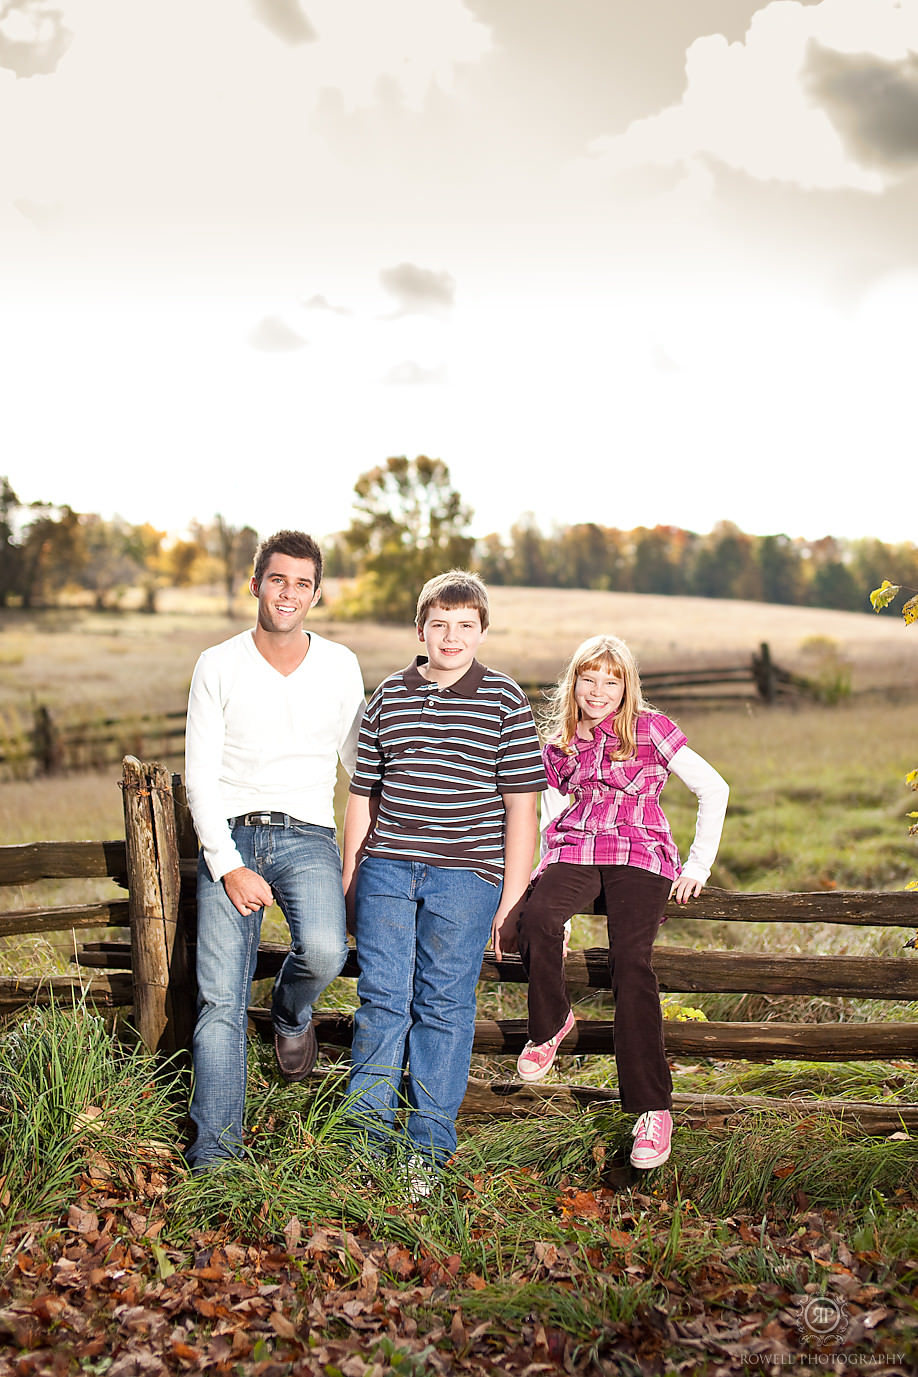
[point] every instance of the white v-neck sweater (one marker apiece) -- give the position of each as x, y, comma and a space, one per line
257, 739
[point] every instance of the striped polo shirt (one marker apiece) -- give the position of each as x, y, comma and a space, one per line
439, 760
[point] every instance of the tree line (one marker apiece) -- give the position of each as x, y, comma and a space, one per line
408, 523
49, 551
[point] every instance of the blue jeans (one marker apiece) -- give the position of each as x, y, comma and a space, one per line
303, 868
421, 935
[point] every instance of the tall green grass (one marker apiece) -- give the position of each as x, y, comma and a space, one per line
72, 1094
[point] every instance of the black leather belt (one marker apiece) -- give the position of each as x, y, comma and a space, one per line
266, 820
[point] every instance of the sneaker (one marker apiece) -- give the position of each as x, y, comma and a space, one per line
536, 1058
420, 1178
652, 1138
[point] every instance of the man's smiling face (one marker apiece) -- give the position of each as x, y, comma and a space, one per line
285, 594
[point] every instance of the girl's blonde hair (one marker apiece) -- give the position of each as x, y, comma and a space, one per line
611, 656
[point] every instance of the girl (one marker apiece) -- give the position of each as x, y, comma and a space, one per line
604, 834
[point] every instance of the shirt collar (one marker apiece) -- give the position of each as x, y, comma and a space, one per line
604, 728
466, 687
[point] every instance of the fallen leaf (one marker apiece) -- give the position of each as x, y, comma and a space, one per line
457, 1333
293, 1232
281, 1325
82, 1221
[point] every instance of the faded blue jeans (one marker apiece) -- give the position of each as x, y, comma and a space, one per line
302, 865
421, 935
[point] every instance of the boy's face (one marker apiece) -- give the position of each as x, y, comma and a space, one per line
451, 636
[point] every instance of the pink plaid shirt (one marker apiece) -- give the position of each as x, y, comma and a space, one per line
614, 817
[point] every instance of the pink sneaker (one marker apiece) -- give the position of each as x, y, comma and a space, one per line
652, 1135
535, 1060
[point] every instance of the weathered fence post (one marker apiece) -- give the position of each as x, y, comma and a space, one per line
164, 995
46, 742
763, 671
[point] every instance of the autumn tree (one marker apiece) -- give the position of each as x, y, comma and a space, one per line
232, 549
53, 553
410, 523
589, 556
779, 569
144, 547
725, 566
492, 558
9, 550
110, 565
529, 564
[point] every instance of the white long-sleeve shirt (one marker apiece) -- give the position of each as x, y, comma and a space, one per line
256, 739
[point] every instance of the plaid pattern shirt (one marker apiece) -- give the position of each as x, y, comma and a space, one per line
614, 817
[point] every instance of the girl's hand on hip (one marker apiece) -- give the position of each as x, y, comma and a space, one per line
685, 888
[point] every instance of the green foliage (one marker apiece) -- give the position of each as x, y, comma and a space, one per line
70, 1093
880, 598
828, 672
410, 524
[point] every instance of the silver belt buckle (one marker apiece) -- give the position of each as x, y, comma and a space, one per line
263, 818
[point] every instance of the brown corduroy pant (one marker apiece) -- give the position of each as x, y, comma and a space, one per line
634, 901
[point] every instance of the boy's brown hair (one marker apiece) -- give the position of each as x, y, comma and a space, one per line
455, 588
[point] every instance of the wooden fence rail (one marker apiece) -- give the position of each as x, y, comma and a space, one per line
146, 963
56, 741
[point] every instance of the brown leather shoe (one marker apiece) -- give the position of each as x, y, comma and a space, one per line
296, 1056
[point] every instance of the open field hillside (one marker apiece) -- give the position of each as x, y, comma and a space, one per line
128, 661
818, 795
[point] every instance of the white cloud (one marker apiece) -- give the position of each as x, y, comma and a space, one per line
272, 335
411, 374
286, 19
752, 105
33, 37
318, 302
420, 291
413, 43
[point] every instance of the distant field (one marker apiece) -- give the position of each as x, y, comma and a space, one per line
121, 661
818, 797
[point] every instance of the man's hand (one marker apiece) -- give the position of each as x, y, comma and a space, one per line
684, 889
246, 890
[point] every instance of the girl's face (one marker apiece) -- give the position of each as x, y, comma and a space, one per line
598, 692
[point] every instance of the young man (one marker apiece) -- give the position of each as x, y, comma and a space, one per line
438, 846
271, 711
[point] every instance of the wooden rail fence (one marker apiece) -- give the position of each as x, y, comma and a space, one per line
146, 964
53, 742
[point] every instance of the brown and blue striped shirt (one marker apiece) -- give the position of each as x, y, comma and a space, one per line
439, 760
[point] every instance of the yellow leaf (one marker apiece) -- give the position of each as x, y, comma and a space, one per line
163, 1265
912, 778
910, 611
881, 597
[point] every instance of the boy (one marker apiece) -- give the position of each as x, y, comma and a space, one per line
438, 845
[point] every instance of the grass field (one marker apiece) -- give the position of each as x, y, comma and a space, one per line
115, 661
818, 799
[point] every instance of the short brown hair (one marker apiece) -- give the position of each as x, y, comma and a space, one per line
296, 544
455, 588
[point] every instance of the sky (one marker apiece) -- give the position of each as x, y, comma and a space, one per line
636, 262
